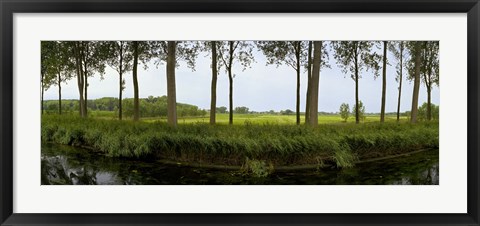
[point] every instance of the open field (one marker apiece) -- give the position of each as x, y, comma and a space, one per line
241, 119
281, 119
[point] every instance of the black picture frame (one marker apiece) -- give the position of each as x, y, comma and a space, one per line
9, 7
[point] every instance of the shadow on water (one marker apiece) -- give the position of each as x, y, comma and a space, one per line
65, 165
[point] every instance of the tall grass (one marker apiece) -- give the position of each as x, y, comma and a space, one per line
273, 144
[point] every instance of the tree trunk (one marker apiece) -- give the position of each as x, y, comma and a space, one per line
416, 84
429, 102
136, 110
298, 82
230, 79
171, 92
213, 101
400, 85
85, 93
41, 94
230, 97
384, 82
121, 83
59, 95
317, 55
120, 98
357, 116
309, 76
85, 80
428, 84
79, 70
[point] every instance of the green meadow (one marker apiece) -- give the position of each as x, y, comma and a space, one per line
241, 119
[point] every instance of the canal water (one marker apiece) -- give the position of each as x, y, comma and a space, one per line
65, 165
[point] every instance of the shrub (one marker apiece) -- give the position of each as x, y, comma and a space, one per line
344, 111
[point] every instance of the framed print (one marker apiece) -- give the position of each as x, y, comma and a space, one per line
239, 113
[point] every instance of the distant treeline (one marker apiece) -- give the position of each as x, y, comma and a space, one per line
157, 107
149, 107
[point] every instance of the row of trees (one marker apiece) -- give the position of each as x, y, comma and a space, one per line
149, 107
424, 112
65, 60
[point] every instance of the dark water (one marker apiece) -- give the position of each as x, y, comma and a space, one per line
68, 165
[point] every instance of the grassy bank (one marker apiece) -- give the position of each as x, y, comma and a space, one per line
271, 144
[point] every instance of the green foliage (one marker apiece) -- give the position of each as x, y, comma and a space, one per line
235, 51
241, 110
149, 107
355, 56
284, 52
344, 111
401, 54
94, 56
56, 66
116, 50
186, 51
429, 68
288, 53
257, 168
361, 110
422, 112
287, 112
221, 110
336, 144
344, 158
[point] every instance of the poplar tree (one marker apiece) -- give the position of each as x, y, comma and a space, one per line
231, 52
56, 67
291, 53
354, 57
400, 52
120, 59
173, 52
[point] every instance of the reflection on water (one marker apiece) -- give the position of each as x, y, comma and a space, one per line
69, 165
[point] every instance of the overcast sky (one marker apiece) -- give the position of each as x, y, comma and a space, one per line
260, 88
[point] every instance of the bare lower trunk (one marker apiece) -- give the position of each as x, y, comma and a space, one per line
400, 84
213, 101
399, 98
317, 55
298, 93
230, 79
80, 91
416, 84
79, 71
85, 79
357, 116
297, 57
59, 95
429, 102
136, 110
384, 82
120, 98
307, 102
120, 90
230, 97
309, 76
171, 92
85, 93
41, 95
